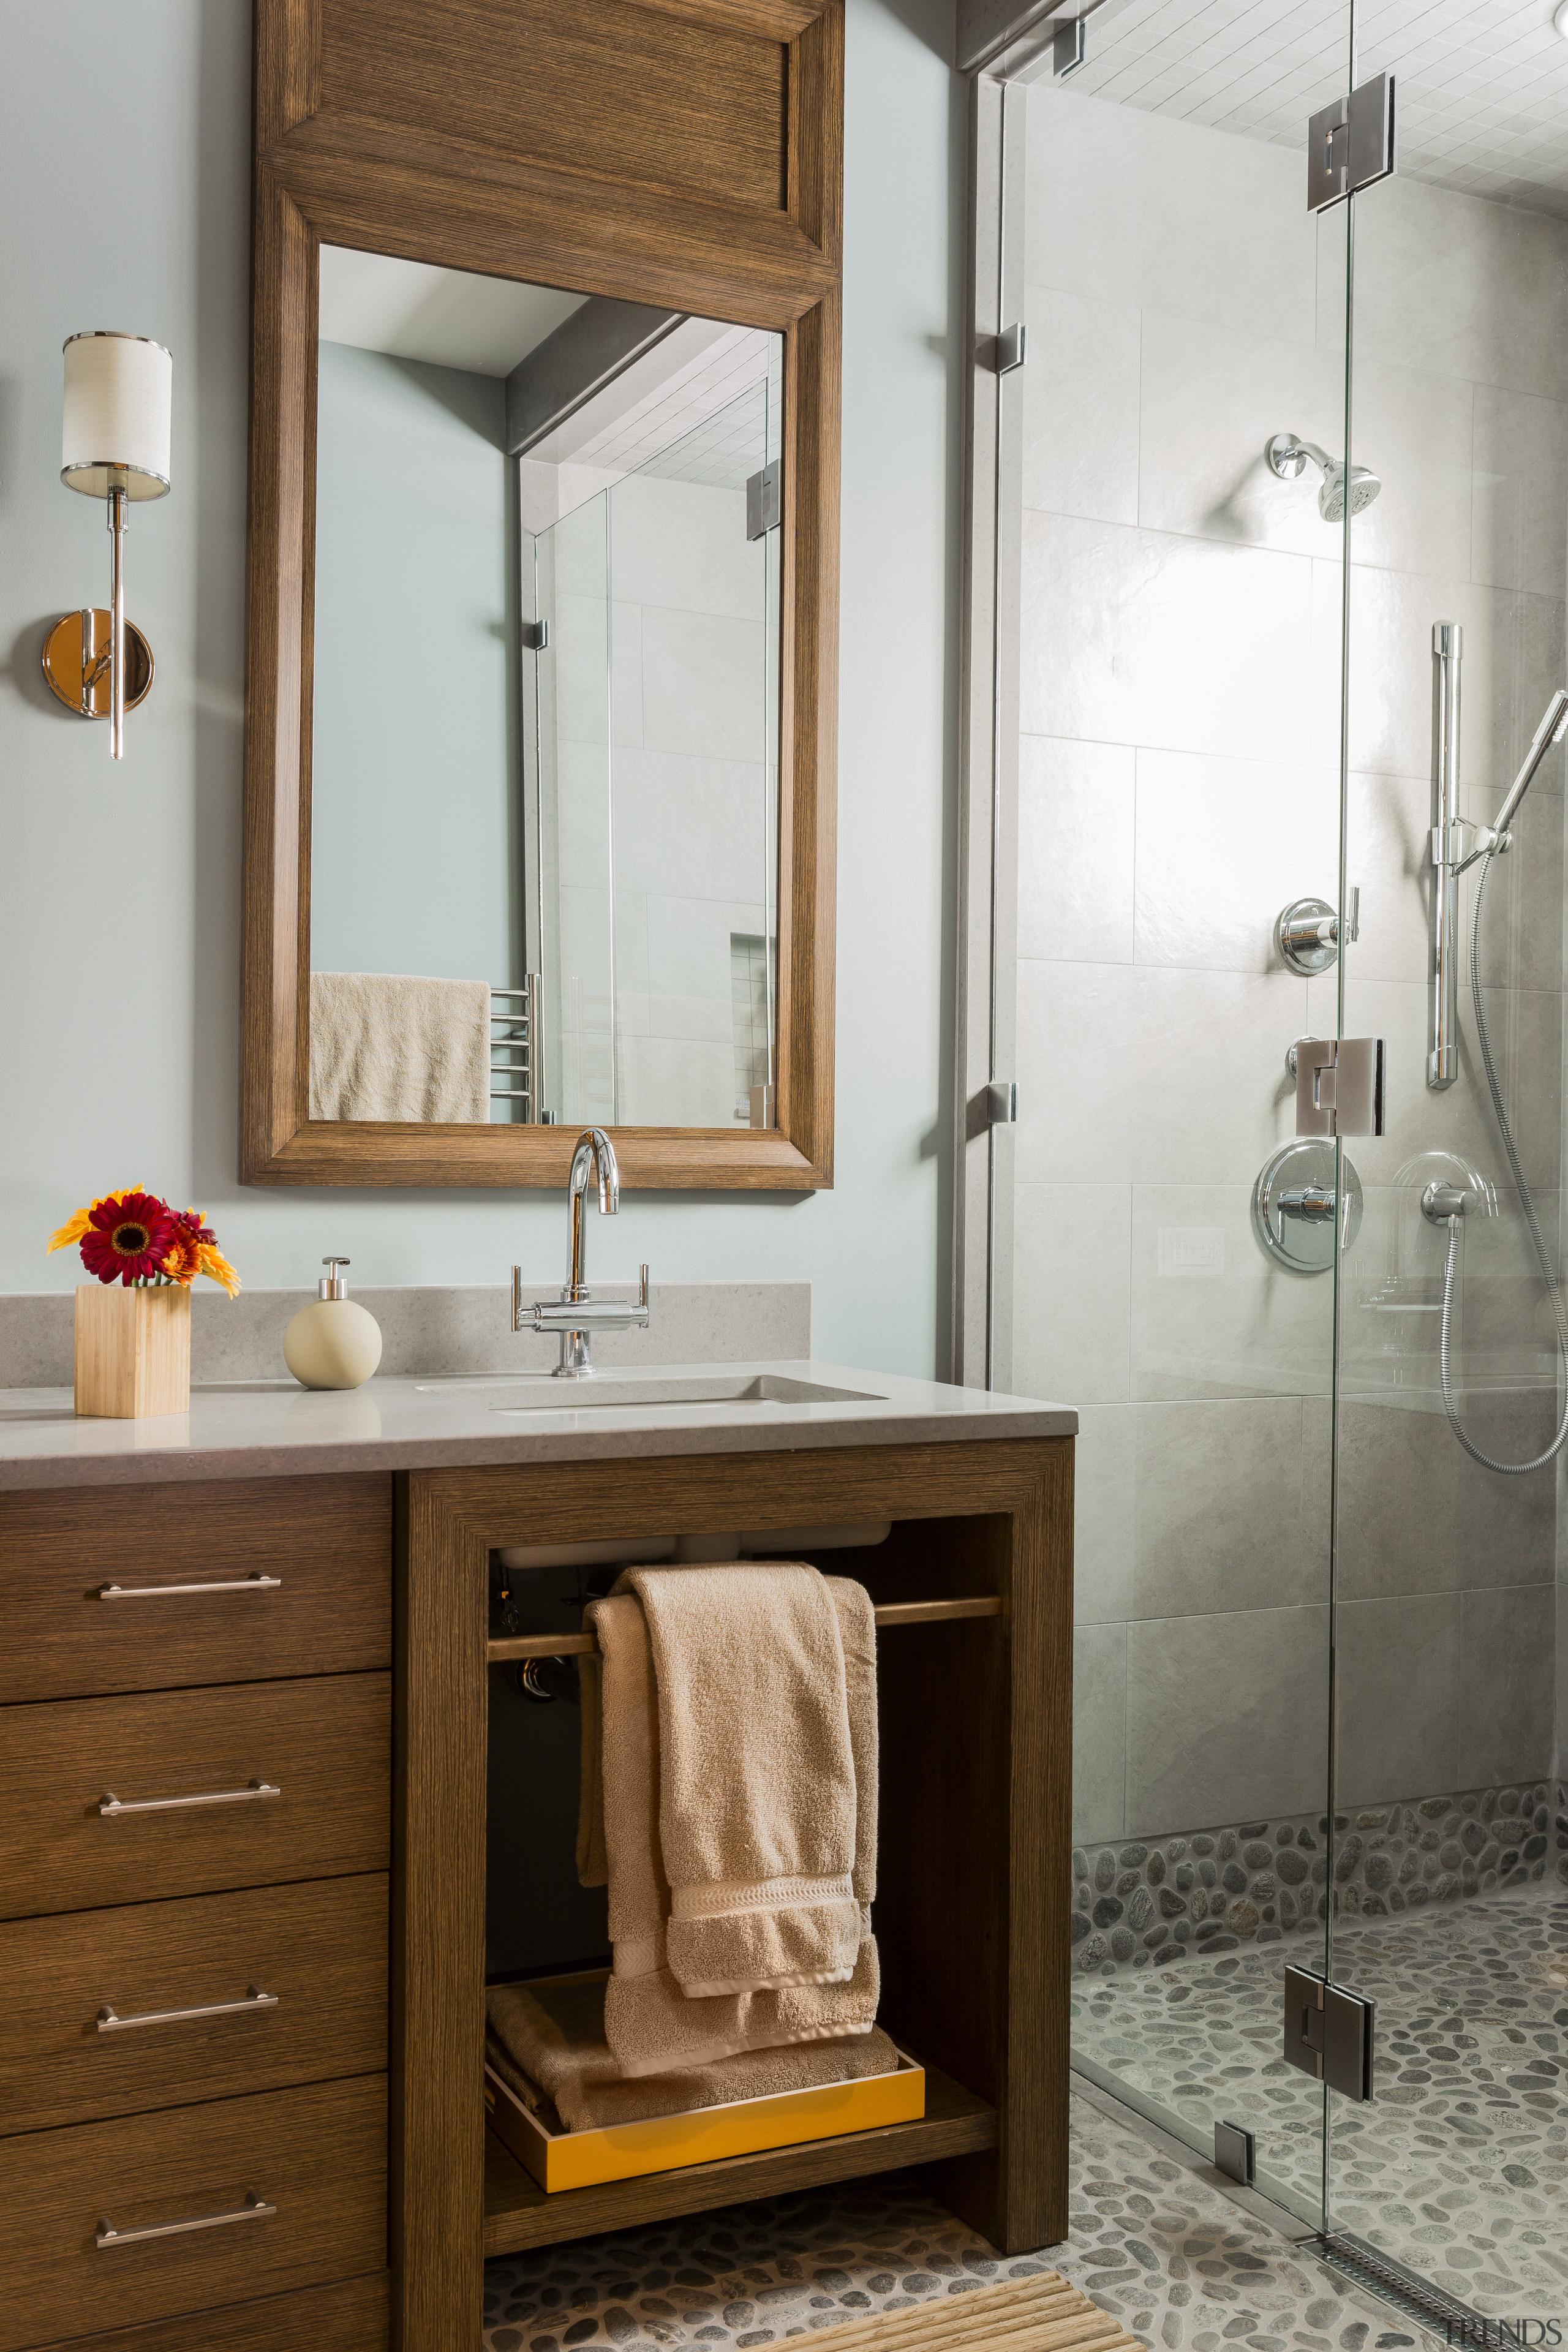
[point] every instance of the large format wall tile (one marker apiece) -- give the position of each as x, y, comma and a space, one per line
690, 827
1506, 1684
1415, 430
1222, 845
1105, 1513
1151, 1073
1226, 1717
1099, 1731
1398, 1711
1513, 659
1455, 284
1080, 405
1212, 397
1212, 1314
1069, 1314
702, 686
683, 545
1227, 1516
1075, 850
1521, 490
1141, 636
1397, 1479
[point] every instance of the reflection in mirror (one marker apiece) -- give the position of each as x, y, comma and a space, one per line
544, 734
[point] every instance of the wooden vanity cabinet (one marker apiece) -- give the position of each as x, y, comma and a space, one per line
328, 1638
195, 1773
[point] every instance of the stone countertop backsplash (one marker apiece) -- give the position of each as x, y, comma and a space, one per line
434, 1330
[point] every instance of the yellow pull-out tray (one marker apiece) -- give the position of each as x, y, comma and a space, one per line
625, 2151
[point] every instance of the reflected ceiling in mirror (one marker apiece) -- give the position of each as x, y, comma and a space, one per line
544, 740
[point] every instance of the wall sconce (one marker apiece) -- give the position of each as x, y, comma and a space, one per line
115, 446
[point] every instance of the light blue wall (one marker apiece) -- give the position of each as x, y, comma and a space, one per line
413, 839
126, 196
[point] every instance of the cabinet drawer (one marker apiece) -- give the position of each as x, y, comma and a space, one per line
352, 2316
323, 1744
317, 2157
317, 1954
326, 1544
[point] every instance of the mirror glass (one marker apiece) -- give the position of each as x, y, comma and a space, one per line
545, 731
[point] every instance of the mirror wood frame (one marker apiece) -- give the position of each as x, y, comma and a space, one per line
456, 135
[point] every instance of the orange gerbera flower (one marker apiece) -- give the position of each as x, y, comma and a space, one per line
217, 1267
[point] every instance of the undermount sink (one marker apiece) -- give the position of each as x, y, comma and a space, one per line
543, 1393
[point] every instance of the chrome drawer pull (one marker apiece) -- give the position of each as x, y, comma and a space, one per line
109, 2022
109, 1804
254, 1582
255, 2208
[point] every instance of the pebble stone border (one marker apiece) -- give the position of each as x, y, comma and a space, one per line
1152, 1902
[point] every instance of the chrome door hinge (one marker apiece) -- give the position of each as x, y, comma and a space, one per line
1349, 144
535, 635
1012, 348
764, 501
993, 1106
1329, 2032
1339, 1085
1067, 48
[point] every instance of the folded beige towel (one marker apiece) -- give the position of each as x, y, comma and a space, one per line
649, 2023
756, 1776
387, 1048
547, 2042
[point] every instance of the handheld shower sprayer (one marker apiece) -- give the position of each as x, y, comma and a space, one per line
1445, 1205
1288, 454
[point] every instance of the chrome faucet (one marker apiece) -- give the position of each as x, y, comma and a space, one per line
574, 1314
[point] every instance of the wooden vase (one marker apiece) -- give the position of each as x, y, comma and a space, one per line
133, 1350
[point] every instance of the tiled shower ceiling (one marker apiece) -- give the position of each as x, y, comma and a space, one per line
1481, 90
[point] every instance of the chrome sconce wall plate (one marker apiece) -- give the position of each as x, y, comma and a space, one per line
1296, 1210
114, 446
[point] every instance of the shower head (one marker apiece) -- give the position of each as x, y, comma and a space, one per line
1288, 454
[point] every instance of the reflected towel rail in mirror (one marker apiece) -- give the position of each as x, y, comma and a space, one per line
898, 1613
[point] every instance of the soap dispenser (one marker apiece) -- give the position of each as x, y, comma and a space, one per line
332, 1343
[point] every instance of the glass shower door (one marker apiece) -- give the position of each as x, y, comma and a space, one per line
1451, 1857
1173, 1265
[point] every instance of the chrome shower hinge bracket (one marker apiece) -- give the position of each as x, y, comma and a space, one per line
996, 1105
1012, 348
1340, 1086
1329, 2032
765, 500
535, 635
1351, 144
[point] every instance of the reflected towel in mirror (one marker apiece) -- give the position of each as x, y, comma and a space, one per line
386, 1046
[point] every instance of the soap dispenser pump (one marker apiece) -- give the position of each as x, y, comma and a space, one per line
332, 1343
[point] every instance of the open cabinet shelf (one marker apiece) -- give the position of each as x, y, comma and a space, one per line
519, 2214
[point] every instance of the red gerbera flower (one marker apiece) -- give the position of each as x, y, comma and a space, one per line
128, 1237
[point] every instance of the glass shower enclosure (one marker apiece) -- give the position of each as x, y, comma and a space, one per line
1275, 524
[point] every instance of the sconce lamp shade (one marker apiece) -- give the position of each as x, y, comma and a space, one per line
118, 393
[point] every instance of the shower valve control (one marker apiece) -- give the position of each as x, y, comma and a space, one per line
1339, 1085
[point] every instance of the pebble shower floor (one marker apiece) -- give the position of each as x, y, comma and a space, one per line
1176, 2261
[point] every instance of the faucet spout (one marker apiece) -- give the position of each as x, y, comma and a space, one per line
594, 1155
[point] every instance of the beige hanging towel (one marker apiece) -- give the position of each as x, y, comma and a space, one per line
384, 1047
650, 2025
756, 1778
546, 2041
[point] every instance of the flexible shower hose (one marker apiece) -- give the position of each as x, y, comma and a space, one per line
1543, 1257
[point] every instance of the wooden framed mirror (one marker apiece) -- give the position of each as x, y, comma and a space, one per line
545, 372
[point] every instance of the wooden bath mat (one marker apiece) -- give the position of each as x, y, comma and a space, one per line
1043, 2314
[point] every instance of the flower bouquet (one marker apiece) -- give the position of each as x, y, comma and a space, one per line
134, 1322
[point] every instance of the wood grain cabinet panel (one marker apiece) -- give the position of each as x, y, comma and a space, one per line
612, 90
325, 1744
318, 2155
327, 1541
350, 2315
317, 1952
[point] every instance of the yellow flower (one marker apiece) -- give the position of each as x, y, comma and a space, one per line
217, 1267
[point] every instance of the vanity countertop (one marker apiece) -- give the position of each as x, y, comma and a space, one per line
275, 1429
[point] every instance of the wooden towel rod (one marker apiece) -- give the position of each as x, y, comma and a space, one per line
900, 1613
